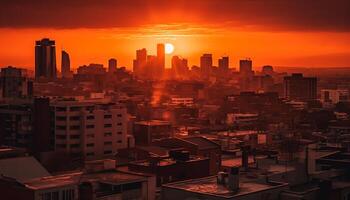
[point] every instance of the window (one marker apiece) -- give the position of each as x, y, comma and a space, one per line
119, 141
68, 194
90, 145
90, 117
108, 143
108, 116
90, 154
74, 118
119, 132
119, 115
74, 127
61, 118
90, 135
60, 146
119, 124
61, 127
74, 108
55, 195
74, 137
90, 126
108, 125
61, 137
108, 134
74, 146
107, 152
61, 109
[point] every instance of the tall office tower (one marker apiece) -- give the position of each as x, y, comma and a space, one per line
161, 56
246, 75
245, 67
179, 67
14, 83
112, 65
140, 61
206, 63
297, 87
224, 63
45, 59
65, 65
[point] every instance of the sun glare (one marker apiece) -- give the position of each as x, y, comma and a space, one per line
169, 48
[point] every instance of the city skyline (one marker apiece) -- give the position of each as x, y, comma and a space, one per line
313, 34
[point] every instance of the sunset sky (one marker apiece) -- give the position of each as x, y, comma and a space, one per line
305, 33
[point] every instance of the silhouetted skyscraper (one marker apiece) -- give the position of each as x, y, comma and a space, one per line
14, 83
298, 87
161, 56
140, 62
112, 65
206, 64
246, 75
45, 59
224, 63
245, 67
179, 67
65, 65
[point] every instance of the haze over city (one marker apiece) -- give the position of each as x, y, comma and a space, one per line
284, 33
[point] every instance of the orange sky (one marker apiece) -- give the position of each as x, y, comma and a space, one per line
309, 49
280, 33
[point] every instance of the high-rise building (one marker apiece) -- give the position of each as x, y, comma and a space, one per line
298, 87
45, 59
224, 63
93, 130
140, 62
206, 63
112, 65
179, 67
334, 96
245, 67
14, 83
65, 65
161, 56
246, 75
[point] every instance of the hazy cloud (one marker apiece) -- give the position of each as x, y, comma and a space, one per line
319, 15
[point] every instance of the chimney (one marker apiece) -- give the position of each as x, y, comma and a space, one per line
233, 179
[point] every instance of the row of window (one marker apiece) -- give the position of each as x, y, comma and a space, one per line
57, 195
65, 137
105, 152
107, 143
76, 118
72, 146
90, 126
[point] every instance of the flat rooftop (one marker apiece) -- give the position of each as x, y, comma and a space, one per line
153, 123
112, 177
209, 186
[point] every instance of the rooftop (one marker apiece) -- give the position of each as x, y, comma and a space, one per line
209, 186
109, 176
153, 123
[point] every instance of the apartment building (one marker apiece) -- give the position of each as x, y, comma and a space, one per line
91, 129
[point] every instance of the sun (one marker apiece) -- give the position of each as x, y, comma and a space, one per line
169, 48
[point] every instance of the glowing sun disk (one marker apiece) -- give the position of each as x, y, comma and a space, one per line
169, 48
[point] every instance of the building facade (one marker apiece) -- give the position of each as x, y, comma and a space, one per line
92, 130
45, 59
